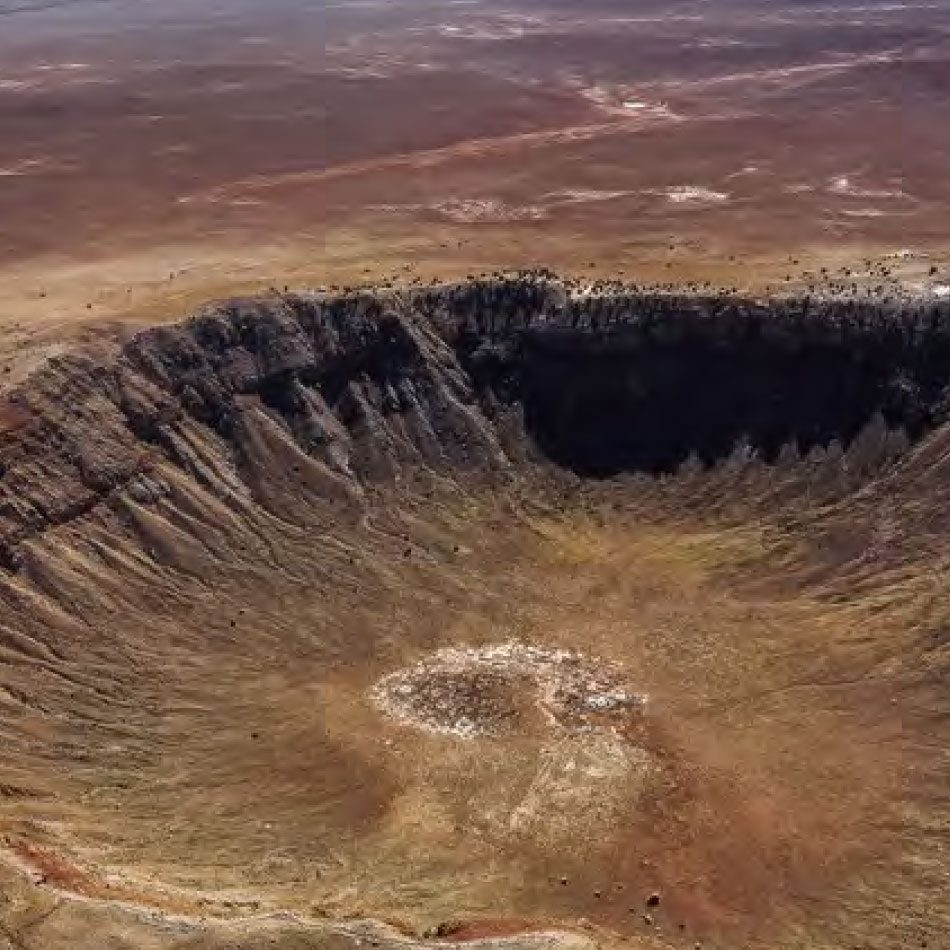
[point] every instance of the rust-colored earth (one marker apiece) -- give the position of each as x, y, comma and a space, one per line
155, 156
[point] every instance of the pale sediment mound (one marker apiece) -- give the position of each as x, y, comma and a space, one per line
499, 688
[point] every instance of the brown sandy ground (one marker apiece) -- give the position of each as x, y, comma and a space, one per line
792, 794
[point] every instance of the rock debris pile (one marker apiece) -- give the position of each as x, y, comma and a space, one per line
506, 688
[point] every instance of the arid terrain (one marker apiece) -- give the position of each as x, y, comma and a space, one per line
394, 603
155, 156
480, 611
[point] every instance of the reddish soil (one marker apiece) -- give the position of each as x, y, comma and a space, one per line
151, 158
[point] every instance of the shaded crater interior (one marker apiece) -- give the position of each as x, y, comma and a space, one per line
627, 382
609, 382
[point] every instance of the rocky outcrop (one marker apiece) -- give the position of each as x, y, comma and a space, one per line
351, 391
341, 392
629, 382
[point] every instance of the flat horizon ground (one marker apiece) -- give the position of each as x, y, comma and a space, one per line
333, 654
156, 155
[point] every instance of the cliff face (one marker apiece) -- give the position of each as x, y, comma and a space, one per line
639, 383
346, 392
357, 388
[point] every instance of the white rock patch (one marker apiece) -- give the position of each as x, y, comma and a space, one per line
496, 689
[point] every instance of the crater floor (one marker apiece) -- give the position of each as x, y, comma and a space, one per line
307, 640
